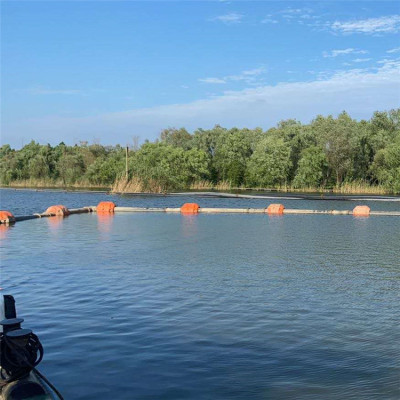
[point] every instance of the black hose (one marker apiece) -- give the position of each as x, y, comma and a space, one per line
52, 387
19, 361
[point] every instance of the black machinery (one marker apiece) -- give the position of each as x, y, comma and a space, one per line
20, 353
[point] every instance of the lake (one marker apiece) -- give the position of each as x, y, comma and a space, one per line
166, 306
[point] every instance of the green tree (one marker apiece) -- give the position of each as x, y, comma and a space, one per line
231, 156
168, 167
39, 167
177, 137
70, 168
105, 170
312, 168
336, 137
270, 163
386, 166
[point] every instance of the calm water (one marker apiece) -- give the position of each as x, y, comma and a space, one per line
164, 306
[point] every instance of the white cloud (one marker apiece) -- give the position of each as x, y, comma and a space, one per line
248, 76
41, 90
302, 16
255, 71
360, 60
269, 21
291, 14
231, 18
395, 50
335, 53
358, 91
290, 10
212, 80
388, 24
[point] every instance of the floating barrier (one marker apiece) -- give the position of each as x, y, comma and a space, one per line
59, 211
105, 207
190, 208
108, 207
6, 217
46, 214
275, 209
361, 211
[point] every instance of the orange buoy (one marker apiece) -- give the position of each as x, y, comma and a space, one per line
275, 209
58, 210
105, 207
190, 208
6, 217
361, 211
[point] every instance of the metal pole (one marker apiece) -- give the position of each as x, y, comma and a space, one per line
126, 163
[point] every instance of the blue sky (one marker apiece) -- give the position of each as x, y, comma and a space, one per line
108, 71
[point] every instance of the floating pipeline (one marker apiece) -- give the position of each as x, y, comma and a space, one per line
7, 218
105, 207
108, 207
58, 210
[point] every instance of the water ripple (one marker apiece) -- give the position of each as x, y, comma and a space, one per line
225, 307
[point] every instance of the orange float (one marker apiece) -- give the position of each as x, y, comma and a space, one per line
190, 208
6, 217
361, 211
275, 209
105, 207
58, 210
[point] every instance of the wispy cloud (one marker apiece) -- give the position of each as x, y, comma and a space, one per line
358, 91
360, 60
231, 18
42, 90
395, 50
269, 20
255, 71
249, 76
386, 24
212, 80
290, 14
335, 53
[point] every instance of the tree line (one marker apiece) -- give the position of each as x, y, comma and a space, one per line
328, 152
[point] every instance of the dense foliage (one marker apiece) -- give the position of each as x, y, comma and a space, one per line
328, 152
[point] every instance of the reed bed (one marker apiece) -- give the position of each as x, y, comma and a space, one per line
208, 185
137, 185
52, 184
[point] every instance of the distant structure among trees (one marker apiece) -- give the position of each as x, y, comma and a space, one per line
327, 153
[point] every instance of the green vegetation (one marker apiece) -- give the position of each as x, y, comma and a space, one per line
339, 153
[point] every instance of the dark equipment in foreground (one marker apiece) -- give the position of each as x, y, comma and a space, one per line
20, 353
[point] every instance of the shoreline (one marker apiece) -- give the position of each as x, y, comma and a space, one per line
298, 194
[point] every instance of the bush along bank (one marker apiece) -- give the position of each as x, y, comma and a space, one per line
339, 154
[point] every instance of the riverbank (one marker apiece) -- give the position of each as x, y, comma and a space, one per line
54, 185
121, 187
136, 185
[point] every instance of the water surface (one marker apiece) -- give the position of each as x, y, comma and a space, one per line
144, 306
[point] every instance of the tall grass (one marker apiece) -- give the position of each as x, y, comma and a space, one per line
137, 185
361, 188
52, 184
208, 185
345, 188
